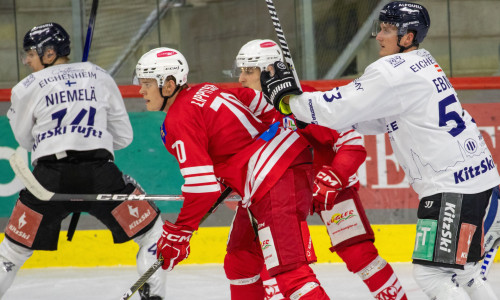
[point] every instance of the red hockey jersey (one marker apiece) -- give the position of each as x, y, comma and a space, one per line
212, 134
343, 151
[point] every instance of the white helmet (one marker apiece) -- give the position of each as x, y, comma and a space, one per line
258, 53
160, 63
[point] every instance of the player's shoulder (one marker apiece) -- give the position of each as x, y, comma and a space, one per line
403, 61
200, 94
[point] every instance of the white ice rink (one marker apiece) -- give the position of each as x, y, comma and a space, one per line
187, 282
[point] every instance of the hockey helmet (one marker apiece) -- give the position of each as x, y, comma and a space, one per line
49, 34
160, 63
258, 53
405, 16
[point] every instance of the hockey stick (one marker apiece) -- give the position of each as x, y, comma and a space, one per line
90, 30
23, 172
88, 40
149, 272
281, 38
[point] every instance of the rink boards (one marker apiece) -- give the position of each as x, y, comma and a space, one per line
93, 248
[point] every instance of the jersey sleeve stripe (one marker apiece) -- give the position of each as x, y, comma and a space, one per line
197, 170
198, 189
200, 179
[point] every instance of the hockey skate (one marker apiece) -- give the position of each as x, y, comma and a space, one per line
144, 293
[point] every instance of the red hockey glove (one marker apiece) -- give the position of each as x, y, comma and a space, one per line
173, 245
327, 186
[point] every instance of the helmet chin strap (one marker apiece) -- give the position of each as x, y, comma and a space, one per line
165, 98
51, 64
402, 48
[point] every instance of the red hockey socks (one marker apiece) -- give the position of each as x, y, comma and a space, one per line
270, 286
383, 283
242, 269
363, 259
302, 284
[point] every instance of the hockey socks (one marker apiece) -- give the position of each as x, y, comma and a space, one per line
242, 269
363, 259
301, 283
270, 286
381, 280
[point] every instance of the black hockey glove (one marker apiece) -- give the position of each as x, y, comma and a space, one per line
282, 84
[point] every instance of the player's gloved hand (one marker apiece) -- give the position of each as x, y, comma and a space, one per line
276, 87
173, 245
327, 185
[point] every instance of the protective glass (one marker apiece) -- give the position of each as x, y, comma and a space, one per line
236, 71
377, 27
30, 53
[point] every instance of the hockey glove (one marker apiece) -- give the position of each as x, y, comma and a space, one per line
327, 185
173, 245
275, 88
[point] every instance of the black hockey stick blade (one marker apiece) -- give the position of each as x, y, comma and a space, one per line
281, 39
90, 30
149, 272
22, 170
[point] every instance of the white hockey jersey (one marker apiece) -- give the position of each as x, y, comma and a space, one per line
407, 95
69, 107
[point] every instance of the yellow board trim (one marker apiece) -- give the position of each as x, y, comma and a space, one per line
92, 248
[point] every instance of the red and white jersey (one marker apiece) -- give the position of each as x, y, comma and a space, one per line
69, 107
212, 134
257, 104
343, 151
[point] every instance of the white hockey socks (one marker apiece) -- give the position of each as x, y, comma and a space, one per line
476, 286
147, 256
438, 283
12, 257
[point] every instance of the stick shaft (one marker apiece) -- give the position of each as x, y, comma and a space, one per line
90, 30
149, 272
281, 39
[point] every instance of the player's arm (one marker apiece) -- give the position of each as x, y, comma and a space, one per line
372, 127
188, 143
341, 173
21, 119
118, 121
369, 97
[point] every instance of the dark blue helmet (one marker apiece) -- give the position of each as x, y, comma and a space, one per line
407, 16
49, 34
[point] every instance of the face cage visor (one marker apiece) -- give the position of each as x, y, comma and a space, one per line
23, 54
402, 29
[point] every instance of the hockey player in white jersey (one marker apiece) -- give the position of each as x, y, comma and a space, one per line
406, 94
71, 117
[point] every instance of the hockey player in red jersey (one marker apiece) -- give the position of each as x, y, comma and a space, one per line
337, 157
213, 135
